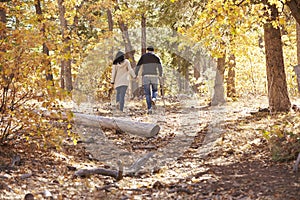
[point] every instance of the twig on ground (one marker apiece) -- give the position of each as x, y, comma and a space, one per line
295, 169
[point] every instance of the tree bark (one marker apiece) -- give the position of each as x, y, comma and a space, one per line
129, 53
110, 28
66, 72
2, 25
298, 42
185, 64
277, 87
128, 47
110, 20
297, 67
197, 71
294, 6
218, 97
231, 91
144, 38
39, 12
135, 128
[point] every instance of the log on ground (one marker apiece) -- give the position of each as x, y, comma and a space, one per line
141, 129
117, 174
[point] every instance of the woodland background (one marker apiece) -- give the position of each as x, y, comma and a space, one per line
59, 53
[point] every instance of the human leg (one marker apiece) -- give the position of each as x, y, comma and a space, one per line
148, 95
147, 91
122, 91
118, 98
154, 91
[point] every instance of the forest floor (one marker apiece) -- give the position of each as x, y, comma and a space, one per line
201, 152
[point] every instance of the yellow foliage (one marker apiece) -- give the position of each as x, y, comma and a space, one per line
24, 91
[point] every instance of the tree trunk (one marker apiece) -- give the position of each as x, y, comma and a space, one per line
298, 42
141, 129
277, 86
129, 53
197, 71
297, 67
110, 20
46, 62
218, 97
110, 28
2, 26
294, 6
66, 72
185, 65
143, 39
231, 91
128, 47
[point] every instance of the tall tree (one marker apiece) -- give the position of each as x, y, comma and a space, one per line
66, 71
297, 68
218, 97
128, 46
298, 41
21, 80
2, 24
144, 37
47, 63
294, 6
231, 91
110, 29
196, 69
277, 86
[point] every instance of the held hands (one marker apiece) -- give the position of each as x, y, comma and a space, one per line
161, 80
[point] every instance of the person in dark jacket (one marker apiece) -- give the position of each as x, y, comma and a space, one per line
152, 71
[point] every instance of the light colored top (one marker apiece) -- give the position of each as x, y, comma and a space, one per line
120, 73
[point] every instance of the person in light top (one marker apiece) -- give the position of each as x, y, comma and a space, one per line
121, 70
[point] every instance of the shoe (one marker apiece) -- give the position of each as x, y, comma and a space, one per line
153, 103
149, 111
118, 105
119, 113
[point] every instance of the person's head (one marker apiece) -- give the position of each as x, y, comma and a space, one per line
120, 57
150, 48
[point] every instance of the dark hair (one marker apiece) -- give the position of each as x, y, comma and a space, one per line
120, 57
150, 48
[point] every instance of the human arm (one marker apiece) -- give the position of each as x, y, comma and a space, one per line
138, 66
159, 66
130, 70
113, 74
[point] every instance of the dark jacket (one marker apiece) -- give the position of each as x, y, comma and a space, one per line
151, 65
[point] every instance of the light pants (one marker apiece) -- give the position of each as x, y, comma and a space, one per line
150, 83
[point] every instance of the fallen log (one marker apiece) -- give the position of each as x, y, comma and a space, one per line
133, 127
117, 174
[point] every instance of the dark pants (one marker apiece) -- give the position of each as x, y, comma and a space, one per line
150, 88
120, 98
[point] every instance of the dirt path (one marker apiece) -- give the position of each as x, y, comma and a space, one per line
201, 153
191, 162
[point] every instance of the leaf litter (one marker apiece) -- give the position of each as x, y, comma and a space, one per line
226, 158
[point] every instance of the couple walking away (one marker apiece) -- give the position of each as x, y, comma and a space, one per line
151, 72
